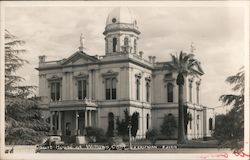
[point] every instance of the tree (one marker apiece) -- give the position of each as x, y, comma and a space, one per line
229, 128
134, 123
24, 122
168, 126
184, 65
122, 126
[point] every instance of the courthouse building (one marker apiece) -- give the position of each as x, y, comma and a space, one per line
84, 90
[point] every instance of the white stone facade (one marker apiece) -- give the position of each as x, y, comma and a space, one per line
74, 90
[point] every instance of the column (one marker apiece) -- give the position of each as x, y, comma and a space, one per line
76, 127
51, 122
90, 84
90, 118
86, 124
59, 132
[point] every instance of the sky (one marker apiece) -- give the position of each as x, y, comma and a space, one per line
216, 32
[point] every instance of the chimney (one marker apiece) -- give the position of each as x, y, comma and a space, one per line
141, 53
150, 59
153, 59
42, 59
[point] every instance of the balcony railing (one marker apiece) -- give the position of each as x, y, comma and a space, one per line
84, 102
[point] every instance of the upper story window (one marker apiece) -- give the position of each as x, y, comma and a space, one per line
137, 89
55, 91
135, 46
198, 93
170, 92
114, 44
106, 45
147, 91
110, 88
190, 91
82, 89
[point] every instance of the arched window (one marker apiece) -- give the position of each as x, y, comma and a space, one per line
198, 93
106, 45
111, 123
148, 121
126, 41
190, 91
135, 46
137, 89
170, 92
210, 123
114, 44
147, 91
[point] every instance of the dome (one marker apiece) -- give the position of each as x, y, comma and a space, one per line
121, 15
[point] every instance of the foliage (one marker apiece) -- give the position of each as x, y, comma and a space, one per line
117, 140
24, 122
229, 128
168, 126
95, 134
152, 135
134, 123
184, 64
23, 119
12, 63
110, 131
122, 126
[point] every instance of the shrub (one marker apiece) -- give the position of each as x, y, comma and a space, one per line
152, 135
95, 134
168, 126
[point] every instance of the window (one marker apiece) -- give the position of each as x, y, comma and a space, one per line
190, 92
147, 91
137, 89
113, 20
190, 122
210, 123
170, 93
113, 88
55, 93
135, 46
82, 89
126, 41
147, 121
110, 88
106, 45
198, 92
114, 44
